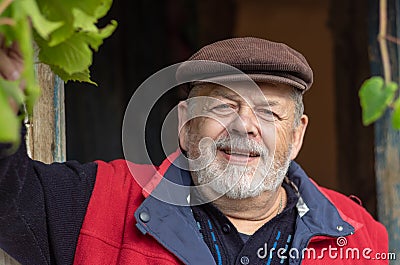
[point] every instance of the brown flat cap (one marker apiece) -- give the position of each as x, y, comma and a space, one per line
260, 59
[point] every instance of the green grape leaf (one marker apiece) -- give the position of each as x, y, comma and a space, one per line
375, 97
8, 33
6, 30
23, 35
66, 36
95, 39
9, 122
102, 8
43, 26
68, 12
63, 33
11, 89
90, 7
74, 54
396, 114
83, 21
83, 76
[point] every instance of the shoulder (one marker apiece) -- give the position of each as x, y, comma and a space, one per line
349, 207
345, 205
368, 232
119, 183
113, 182
116, 196
123, 172
371, 232
121, 177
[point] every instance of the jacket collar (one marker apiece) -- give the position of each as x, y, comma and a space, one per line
322, 218
166, 215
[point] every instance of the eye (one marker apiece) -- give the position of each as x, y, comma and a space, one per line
223, 109
266, 114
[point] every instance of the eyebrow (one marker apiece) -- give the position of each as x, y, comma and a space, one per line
270, 103
224, 94
234, 97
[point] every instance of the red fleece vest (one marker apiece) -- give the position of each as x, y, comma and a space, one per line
109, 236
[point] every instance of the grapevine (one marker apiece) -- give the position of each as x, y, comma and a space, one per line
377, 94
65, 35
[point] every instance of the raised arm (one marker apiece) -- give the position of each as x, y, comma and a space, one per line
41, 206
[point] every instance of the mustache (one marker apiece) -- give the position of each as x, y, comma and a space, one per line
241, 145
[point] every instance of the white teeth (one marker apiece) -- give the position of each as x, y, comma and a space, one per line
230, 152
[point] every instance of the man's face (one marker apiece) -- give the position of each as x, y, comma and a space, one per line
239, 140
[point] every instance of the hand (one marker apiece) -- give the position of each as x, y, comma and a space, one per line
11, 64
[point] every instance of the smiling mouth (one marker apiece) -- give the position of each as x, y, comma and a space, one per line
239, 152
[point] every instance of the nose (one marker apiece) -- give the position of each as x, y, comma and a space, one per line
245, 123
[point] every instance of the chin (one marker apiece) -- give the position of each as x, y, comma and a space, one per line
241, 195
242, 188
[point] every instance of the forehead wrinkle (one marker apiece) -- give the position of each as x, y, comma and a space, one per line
269, 103
226, 94
232, 95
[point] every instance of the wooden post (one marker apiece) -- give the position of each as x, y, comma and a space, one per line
46, 131
387, 140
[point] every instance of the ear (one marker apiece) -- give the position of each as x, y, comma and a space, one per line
298, 136
183, 125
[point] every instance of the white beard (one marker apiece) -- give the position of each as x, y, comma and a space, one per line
238, 181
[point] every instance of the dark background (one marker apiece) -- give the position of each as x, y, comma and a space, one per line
332, 34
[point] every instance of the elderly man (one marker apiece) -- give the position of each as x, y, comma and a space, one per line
240, 198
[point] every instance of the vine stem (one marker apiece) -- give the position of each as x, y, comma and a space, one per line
393, 39
382, 41
7, 21
4, 5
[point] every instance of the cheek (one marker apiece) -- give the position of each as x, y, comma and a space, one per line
268, 135
283, 138
199, 129
276, 137
206, 127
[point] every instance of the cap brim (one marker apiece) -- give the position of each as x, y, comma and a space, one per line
255, 78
